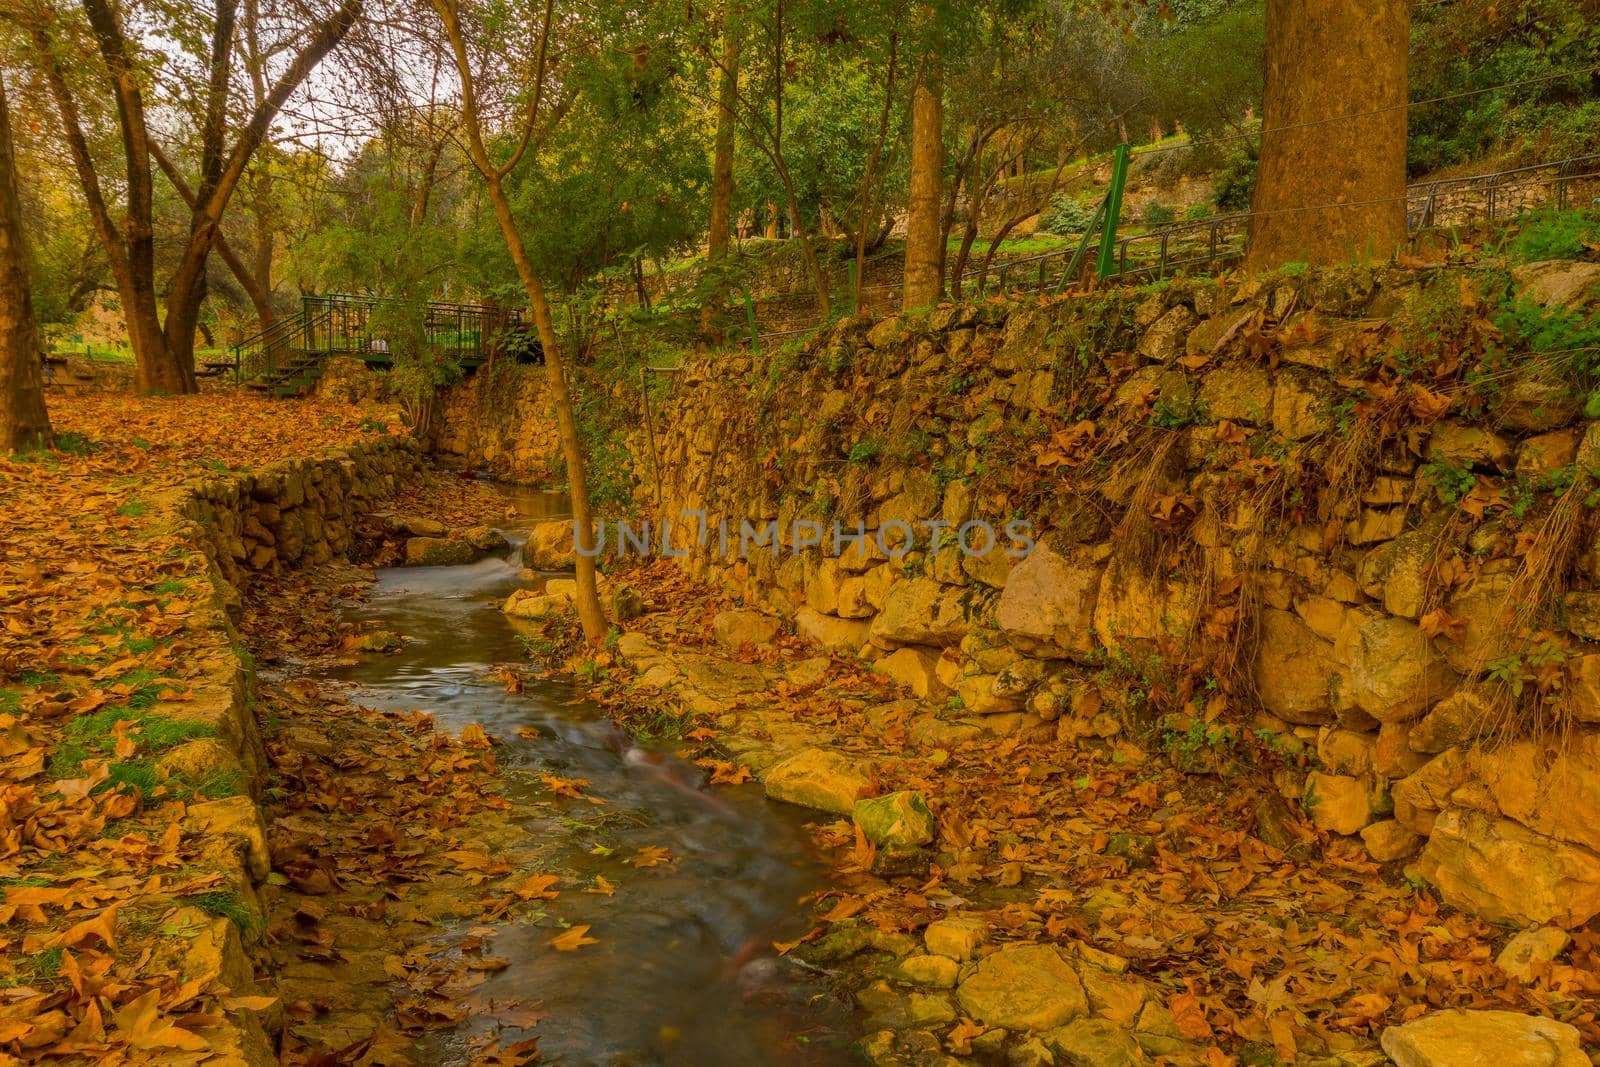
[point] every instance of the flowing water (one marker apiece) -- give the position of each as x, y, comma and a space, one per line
683, 971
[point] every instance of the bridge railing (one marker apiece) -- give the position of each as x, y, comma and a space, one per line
344, 324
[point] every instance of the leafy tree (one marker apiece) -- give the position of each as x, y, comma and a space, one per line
108, 56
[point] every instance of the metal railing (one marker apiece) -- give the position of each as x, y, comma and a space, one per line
351, 324
1443, 203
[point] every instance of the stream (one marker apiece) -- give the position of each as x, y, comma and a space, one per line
683, 971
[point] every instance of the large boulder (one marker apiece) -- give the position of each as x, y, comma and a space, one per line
1463, 445
528, 604
1583, 690
1458, 719
1241, 394
741, 626
1556, 282
1024, 987
1537, 400
1529, 948
1095, 1043
1047, 607
1461, 1038
920, 611
486, 539
895, 820
1487, 633
830, 631
1294, 670
1505, 872
1135, 605
1164, 341
1395, 671
1556, 794
958, 937
1340, 803
439, 552
549, 546
817, 778
916, 668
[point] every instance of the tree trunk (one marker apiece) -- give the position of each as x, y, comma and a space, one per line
1332, 189
24, 423
722, 181
261, 293
924, 271
590, 614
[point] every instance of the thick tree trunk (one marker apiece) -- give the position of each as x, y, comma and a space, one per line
924, 270
24, 423
1332, 181
722, 180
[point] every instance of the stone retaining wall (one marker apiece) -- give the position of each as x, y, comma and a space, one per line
298, 513
498, 420
1328, 503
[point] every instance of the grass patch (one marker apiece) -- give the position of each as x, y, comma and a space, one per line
93, 736
225, 905
133, 508
138, 774
37, 969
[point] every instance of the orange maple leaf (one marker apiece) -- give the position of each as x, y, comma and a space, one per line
573, 940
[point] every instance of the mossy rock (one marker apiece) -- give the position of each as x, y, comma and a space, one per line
896, 820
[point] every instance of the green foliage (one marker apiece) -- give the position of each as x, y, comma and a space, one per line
1566, 339
1236, 180
1504, 68
93, 736
1552, 234
1436, 324
1451, 483
866, 451
1158, 214
1175, 415
225, 905
1068, 216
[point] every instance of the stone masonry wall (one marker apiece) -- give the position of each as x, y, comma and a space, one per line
1346, 507
292, 514
498, 420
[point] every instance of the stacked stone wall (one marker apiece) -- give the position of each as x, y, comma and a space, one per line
1343, 507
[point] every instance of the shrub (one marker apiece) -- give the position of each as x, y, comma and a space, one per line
1552, 234
1236, 181
1196, 212
1159, 215
1068, 216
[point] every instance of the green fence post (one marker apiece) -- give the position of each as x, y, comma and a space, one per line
1108, 237
851, 278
